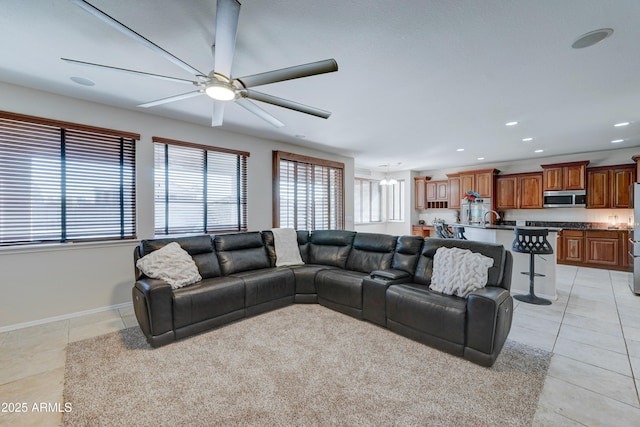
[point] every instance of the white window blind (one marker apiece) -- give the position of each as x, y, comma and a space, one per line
308, 193
63, 182
198, 188
396, 201
367, 201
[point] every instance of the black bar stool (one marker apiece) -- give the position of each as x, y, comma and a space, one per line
532, 241
442, 231
458, 232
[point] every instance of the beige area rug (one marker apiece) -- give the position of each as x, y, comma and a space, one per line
300, 365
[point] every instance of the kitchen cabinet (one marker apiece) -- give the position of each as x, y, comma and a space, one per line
519, 191
481, 181
603, 248
609, 186
594, 248
572, 247
420, 191
437, 194
422, 230
564, 176
454, 191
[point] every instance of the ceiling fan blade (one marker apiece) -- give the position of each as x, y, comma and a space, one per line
304, 70
218, 113
227, 14
243, 102
280, 102
135, 36
170, 99
134, 72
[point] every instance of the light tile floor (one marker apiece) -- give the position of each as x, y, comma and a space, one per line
593, 330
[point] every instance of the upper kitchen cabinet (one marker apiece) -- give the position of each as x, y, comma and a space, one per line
609, 186
519, 191
437, 194
481, 181
564, 176
454, 191
420, 191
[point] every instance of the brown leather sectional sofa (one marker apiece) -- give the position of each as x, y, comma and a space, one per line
375, 277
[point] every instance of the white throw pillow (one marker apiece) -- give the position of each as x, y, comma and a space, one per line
172, 264
459, 271
285, 241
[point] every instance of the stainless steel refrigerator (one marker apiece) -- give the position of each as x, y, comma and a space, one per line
634, 240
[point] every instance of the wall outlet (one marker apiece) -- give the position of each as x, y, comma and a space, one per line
521, 223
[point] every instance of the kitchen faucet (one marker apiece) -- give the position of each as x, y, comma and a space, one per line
484, 216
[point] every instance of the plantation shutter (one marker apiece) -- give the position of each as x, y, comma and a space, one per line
63, 182
308, 192
198, 188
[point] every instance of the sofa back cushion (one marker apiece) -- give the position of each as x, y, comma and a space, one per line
304, 242
330, 247
407, 252
241, 252
424, 269
199, 247
371, 252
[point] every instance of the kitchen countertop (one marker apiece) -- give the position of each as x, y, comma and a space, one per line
552, 226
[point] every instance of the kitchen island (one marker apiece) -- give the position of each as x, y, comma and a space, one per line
544, 264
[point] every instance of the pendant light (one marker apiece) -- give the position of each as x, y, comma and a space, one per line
388, 180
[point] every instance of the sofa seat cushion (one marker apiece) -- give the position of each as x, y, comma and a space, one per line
306, 277
341, 286
267, 284
207, 299
429, 312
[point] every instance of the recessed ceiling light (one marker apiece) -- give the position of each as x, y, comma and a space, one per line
300, 136
527, 139
480, 158
511, 123
618, 125
615, 141
538, 150
460, 149
591, 38
82, 81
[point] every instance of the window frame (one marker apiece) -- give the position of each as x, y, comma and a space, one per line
278, 156
401, 201
241, 188
74, 139
370, 182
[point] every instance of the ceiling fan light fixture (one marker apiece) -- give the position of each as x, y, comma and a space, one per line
220, 91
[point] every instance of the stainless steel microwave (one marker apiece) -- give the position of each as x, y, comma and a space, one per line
565, 199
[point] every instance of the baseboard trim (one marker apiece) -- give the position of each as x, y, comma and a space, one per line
46, 320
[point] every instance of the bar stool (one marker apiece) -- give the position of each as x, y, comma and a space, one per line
442, 230
533, 242
458, 232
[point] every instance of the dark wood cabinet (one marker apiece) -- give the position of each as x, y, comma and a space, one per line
564, 176
610, 186
603, 248
519, 191
594, 248
572, 246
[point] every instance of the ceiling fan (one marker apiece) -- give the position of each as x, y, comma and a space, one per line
219, 84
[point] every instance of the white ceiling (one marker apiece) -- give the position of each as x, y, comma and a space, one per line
418, 79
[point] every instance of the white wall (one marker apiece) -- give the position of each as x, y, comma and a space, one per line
44, 282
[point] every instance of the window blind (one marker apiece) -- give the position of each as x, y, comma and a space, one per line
199, 188
308, 193
63, 182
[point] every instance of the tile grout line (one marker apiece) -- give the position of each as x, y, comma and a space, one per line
564, 312
624, 338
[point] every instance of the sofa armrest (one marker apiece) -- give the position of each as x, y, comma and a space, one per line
489, 314
152, 303
390, 275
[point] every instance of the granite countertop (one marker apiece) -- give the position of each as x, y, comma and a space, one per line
552, 226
